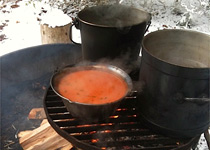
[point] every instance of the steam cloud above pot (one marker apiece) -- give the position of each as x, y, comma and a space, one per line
112, 32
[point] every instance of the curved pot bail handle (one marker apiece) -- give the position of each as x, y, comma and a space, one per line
179, 97
201, 100
147, 27
76, 24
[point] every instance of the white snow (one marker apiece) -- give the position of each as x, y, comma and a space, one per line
23, 29
55, 18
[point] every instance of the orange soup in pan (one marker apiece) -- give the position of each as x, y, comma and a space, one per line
91, 86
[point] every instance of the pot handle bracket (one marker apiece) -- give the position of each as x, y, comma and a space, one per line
76, 24
148, 25
180, 98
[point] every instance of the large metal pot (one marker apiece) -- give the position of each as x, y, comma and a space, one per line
89, 112
111, 31
175, 75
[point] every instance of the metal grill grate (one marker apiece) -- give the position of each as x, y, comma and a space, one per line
121, 131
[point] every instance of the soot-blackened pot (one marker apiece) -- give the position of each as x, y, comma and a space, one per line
111, 31
91, 112
175, 71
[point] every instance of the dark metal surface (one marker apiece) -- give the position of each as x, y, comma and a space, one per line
123, 130
117, 35
174, 81
178, 52
25, 76
91, 112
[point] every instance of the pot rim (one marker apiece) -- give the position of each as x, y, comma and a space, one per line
147, 19
110, 68
173, 69
173, 30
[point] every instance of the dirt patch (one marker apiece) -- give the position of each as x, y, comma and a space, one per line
2, 26
3, 37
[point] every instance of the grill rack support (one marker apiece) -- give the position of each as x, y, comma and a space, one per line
122, 131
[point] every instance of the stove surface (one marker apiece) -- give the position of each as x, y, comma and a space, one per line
123, 130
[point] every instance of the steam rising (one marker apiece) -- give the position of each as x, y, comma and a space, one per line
123, 61
113, 15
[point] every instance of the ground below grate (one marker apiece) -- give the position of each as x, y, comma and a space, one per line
122, 131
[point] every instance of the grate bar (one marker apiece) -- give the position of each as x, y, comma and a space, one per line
123, 130
59, 116
56, 110
99, 127
54, 103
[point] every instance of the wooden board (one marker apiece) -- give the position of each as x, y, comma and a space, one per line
43, 137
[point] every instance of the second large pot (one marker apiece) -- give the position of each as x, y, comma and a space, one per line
175, 75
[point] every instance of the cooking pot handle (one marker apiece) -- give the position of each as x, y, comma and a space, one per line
179, 97
76, 24
197, 100
148, 25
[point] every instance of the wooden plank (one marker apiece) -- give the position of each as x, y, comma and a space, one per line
53, 142
24, 133
43, 137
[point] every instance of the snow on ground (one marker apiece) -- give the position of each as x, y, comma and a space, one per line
20, 26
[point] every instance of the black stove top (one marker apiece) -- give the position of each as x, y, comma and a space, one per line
123, 130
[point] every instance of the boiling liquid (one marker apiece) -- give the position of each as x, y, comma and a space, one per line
92, 87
